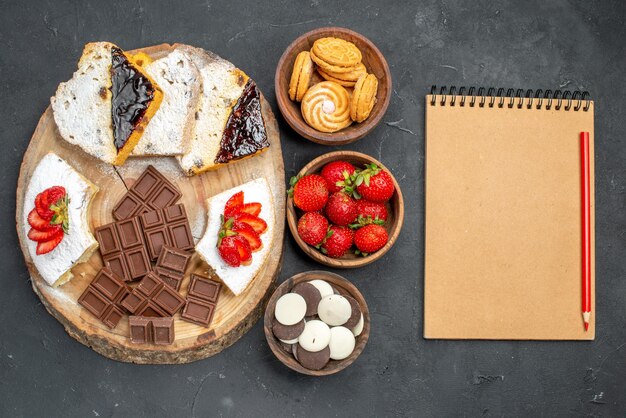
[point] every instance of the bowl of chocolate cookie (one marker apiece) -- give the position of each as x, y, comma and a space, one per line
333, 85
317, 323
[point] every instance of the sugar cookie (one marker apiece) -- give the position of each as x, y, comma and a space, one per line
336, 51
326, 107
300, 76
351, 76
363, 97
330, 68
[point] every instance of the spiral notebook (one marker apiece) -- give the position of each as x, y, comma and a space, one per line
503, 214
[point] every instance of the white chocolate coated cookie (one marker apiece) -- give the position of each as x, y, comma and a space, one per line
341, 343
358, 329
290, 309
315, 337
324, 288
334, 310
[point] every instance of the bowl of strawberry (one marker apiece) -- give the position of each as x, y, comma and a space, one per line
345, 209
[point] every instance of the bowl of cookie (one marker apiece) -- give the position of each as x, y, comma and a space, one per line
333, 85
317, 323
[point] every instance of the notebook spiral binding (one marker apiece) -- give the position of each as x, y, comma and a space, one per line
537, 98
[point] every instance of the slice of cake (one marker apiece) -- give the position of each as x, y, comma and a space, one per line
238, 236
106, 106
229, 125
56, 206
171, 127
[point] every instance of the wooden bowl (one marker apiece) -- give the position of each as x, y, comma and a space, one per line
344, 287
393, 225
374, 62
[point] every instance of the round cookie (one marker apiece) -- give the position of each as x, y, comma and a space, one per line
312, 360
287, 332
355, 316
334, 310
330, 68
315, 336
323, 286
328, 77
311, 295
363, 97
341, 343
326, 107
336, 51
351, 76
300, 76
290, 309
286, 347
358, 329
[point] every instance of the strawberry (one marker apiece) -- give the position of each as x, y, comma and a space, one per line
42, 236
37, 222
243, 248
374, 184
310, 192
370, 238
341, 209
338, 241
258, 224
312, 228
251, 208
229, 252
336, 173
369, 212
233, 204
248, 233
47, 246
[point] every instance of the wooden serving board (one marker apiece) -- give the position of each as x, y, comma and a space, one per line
234, 315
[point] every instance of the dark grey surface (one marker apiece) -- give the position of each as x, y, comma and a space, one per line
570, 45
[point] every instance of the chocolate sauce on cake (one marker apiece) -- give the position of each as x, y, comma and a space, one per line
131, 92
245, 131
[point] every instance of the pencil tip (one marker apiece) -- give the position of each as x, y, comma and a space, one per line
586, 326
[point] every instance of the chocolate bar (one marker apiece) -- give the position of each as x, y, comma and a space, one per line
145, 330
166, 227
201, 300
103, 296
153, 298
151, 191
123, 248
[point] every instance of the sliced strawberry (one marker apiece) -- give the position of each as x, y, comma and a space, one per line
38, 223
51, 195
233, 204
47, 246
253, 208
43, 210
42, 236
229, 252
248, 233
245, 253
255, 222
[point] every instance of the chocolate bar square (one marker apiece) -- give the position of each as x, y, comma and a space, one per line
204, 288
117, 263
152, 219
108, 240
140, 329
198, 311
180, 236
138, 262
163, 330
108, 284
147, 183
94, 302
129, 233
165, 195
112, 316
175, 213
156, 239
173, 259
149, 285
168, 299
134, 302
128, 206
170, 278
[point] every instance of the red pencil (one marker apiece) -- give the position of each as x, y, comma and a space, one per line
586, 228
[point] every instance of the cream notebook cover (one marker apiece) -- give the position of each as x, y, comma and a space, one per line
503, 218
